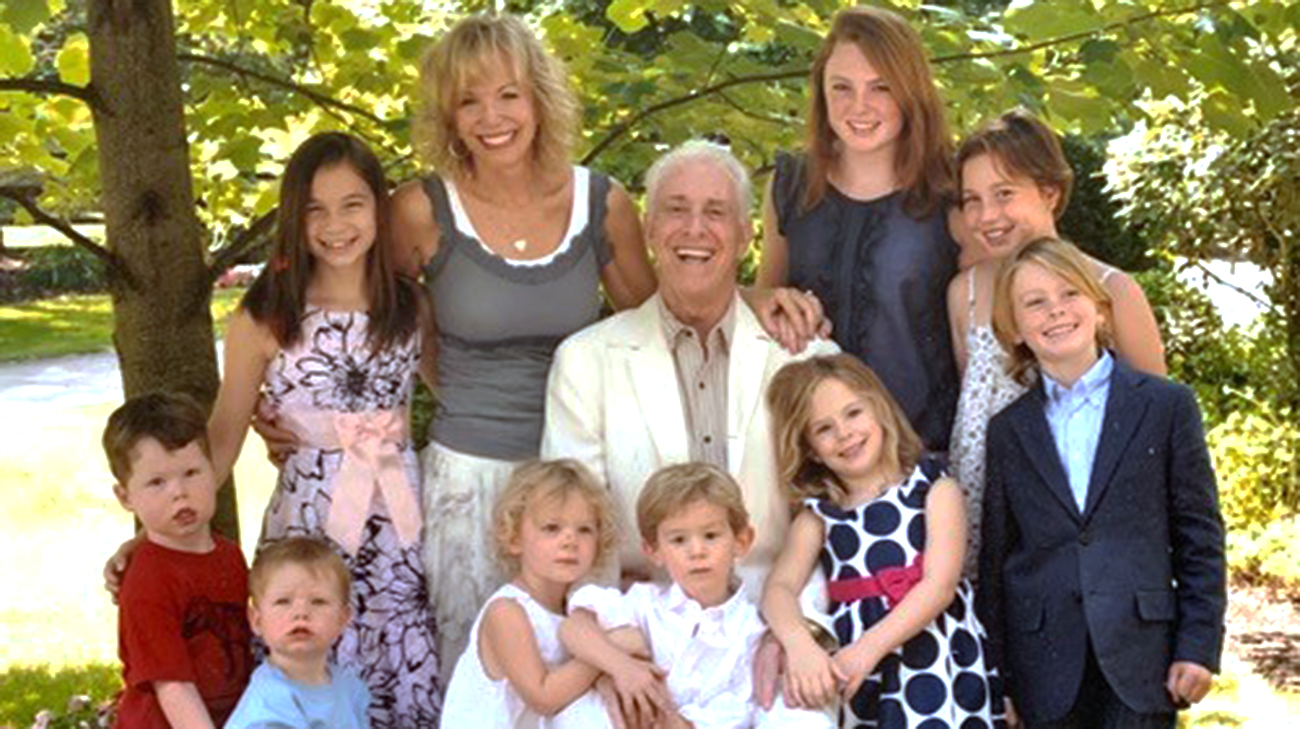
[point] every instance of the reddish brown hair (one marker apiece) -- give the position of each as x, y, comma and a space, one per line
923, 158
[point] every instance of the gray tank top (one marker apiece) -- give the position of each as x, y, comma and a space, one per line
499, 322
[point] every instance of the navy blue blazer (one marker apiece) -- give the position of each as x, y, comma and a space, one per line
1140, 573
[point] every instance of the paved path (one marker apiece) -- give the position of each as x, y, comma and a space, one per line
73, 381
84, 379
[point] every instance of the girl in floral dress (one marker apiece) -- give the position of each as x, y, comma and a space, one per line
333, 338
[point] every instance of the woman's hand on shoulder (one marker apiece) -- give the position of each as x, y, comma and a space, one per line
414, 229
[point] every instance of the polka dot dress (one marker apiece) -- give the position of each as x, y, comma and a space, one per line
938, 679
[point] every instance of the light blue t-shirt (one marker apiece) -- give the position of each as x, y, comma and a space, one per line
274, 701
1075, 415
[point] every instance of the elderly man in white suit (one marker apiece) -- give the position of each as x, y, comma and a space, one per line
635, 392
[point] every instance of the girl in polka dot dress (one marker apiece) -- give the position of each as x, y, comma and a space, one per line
887, 529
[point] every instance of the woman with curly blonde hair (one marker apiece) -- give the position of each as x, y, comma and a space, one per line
514, 242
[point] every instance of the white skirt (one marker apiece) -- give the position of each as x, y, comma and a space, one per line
459, 555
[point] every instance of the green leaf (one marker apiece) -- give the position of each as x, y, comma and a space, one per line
1164, 79
23, 15
358, 39
73, 60
15, 56
628, 15
1089, 112
1042, 19
1223, 112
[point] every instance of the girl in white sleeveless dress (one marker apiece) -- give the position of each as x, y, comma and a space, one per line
552, 524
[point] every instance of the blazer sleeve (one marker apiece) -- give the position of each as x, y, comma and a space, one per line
575, 408
997, 532
1197, 538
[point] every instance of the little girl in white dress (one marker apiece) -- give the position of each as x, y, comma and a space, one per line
553, 524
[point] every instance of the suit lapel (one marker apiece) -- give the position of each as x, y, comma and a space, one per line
746, 364
1126, 404
653, 376
1036, 438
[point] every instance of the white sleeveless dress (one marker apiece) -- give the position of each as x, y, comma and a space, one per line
476, 700
986, 388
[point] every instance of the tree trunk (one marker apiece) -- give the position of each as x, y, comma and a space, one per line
162, 322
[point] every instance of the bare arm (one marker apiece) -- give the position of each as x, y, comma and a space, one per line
182, 705
790, 316
639, 683
628, 277
415, 232
511, 646
958, 298
811, 676
1137, 337
249, 348
428, 340
945, 545
773, 266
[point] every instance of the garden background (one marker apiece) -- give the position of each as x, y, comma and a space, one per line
140, 141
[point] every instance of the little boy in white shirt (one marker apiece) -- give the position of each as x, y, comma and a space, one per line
702, 630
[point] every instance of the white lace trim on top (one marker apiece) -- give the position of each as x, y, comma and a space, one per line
578, 215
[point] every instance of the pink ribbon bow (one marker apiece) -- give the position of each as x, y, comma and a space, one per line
892, 583
372, 460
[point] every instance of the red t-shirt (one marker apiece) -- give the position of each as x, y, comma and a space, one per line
183, 617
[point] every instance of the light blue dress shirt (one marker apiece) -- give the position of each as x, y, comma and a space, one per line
1075, 415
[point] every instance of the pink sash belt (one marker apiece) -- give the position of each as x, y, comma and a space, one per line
372, 443
892, 583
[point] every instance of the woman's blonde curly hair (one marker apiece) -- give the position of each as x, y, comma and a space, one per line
462, 55
550, 481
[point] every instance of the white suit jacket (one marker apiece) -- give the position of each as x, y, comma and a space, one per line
612, 402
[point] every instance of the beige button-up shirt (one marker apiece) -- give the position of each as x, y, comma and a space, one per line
702, 381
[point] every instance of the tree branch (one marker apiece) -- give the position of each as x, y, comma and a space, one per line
242, 243
1254, 298
266, 78
117, 269
618, 130
54, 87
1071, 37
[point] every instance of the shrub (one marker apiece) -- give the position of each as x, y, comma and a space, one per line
1257, 458
1255, 453
53, 269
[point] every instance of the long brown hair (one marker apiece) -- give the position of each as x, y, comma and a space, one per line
923, 158
789, 398
278, 298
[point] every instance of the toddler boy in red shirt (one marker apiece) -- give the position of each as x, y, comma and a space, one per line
183, 633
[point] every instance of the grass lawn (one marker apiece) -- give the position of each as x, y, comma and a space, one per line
75, 325
28, 690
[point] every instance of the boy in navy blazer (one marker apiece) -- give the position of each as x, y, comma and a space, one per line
1102, 576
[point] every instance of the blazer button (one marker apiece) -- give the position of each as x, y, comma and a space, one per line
1085, 538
